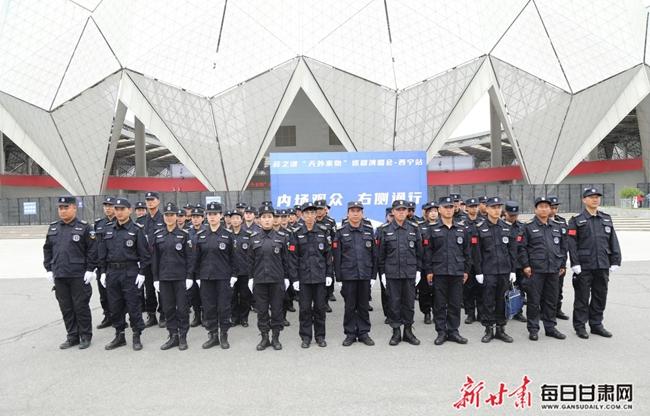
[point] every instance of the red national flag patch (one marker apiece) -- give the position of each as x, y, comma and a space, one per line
474, 240
377, 241
519, 239
335, 244
573, 232
425, 242
292, 247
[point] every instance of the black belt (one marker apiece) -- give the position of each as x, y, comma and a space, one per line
122, 265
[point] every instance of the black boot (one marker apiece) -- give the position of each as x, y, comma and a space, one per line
118, 341
213, 340
69, 343
197, 319
470, 318
520, 317
84, 343
105, 323
501, 334
561, 315
264, 343
182, 342
427, 318
396, 338
275, 340
409, 336
137, 344
171, 342
489, 334
223, 338
151, 320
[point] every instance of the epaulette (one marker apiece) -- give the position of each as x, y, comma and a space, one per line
253, 234
530, 221
98, 220
137, 224
480, 223
200, 231
558, 222
84, 222
383, 225
604, 214
367, 224
184, 230
280, 232
323, 227
413, 223
156, 231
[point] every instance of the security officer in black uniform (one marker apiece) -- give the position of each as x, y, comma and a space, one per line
241, 297
447, 262
542, 257
70, 258
140, 211
555, 207
511, 211
188, 215
482, 207
410, 213
313, 267
400, 266
181, 221
173, 269
152, 222
595, 253
425, 290
355, 264
249, 220
123, 259
472, 289
323, 218
194, 294
99, 226
270, 275
215, 273
459, 214
382, 285
494, 246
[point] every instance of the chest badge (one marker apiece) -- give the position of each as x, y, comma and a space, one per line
411, 244
276, 250
505, 240
608, 229
321, 246
459, 240
76, 237
129, 243
222, 246
556, 240
368, 244
179, 246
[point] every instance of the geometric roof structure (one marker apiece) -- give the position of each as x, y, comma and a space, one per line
213, 80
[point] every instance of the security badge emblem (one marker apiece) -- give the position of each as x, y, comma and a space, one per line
368, 244
608, 229
321, 246
459, 240
276, 250
129, 243
556, 240
505, 240
222, 246
411, 244
179, 246
76, 237
244, 246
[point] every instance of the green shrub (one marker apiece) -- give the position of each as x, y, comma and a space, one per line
629, 192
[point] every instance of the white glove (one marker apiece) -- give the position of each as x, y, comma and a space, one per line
139, 280
156, 285
286, 284
250, 285
417, 277
198, 283
89, 277
576, 269
102, 279
383, 279
513, 277
613, 268
50, 277
372, 282
328, 281
233, 280
479, 278
296, 286
188, 283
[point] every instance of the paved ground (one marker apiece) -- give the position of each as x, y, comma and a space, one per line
36, 378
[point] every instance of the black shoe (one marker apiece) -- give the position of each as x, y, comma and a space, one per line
212, 341
321, 342
275, 340
562, 315
69, 343
554, 333
455, 337
223, 338
137, 344
489, 334
197, 320
599, 330
396, 338
105, 323
582, 333
331, 298
349, 340
370, 308
151, 320
182, 342
409, 336
118, 341
520, 317
501, 334
365, 339
244, 323
162, 323
84, 343
440, 339
264, 343
533, 336
172, 342
470, 319
328, 308
305, 343
427, 318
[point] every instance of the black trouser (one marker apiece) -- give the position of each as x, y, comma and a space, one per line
124, 295
401, 301
560, 296
173, 296
384, 299
73, 296
472, 297
289, 296
356, 319
194, 297
150, 302
425, 296
590, 283
541, 290
269, 295
448, 296
103, 300
216, 298
241, 300
312, 300
493, 308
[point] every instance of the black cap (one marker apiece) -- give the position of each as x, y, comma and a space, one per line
389, 211
472, 202
170, 208
198, 211
188, 206
180, 212
321, 203
591, 191
268, 203
235, 212
266, 209
494, 201
66, 200
122, 202
109, 200
455, 197
140, 204
355, 204
554, 200
482, 199
399, 203
240, 205
426, 206
410, 205
249, 209
512, 207
229, 212
541, 199
151, 195
291, 211
446, 201
283, 212
434, 204
308, 206
297, 207
214, 207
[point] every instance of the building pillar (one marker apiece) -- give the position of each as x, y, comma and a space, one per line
496, 154
140, 149
643, 119
30, 165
